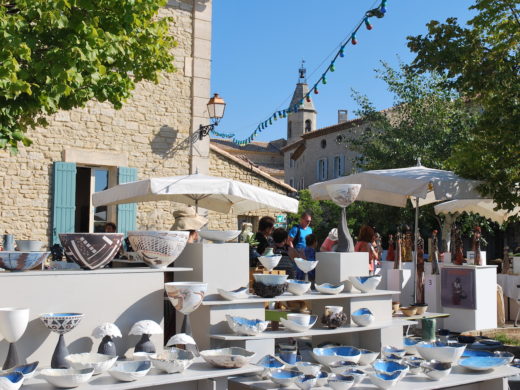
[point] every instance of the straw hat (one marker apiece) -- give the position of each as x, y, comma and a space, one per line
188, 219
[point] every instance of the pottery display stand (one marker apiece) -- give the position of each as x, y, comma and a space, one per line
470, 256
516, 265
336, 267
401, 280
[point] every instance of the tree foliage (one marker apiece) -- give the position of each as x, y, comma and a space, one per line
482, 62
58, 55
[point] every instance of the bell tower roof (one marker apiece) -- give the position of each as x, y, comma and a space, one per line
301, 90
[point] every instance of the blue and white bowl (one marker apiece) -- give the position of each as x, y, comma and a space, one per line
342, 366
239, 293
393, 358
128, 371
172, 360
331, 355
233, 357
308, 368
270, 279
506, 355
61, 322
330, 289
436, 370
362, 317
269, 363
475, 353
306, 382
21, 261
389, 350
414, 364
27, 370
244, 326
445, 353
298, 287
11, 380
284, 378
388, 367
341, 382
357, 374
365, 284
483, 363
385, 381
66, 377
322, 378
410, 343
298, 327
367, 357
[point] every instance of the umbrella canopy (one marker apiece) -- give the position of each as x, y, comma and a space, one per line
483, 207
394, 187
213, 193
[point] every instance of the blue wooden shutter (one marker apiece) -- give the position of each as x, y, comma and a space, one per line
126, 213
64, 199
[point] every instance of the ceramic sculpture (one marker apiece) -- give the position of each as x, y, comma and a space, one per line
105, 332
145, 329
343, 195
407, 244
419, 279
183, 341
186, 297
91, 250
390, 254
398, 263
61, 323
476, 243
333, 317
435, 253
459, 248
22, 261
158, 249
13, 322
379, 247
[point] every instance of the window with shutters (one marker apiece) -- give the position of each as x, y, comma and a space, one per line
321, 169
339, 166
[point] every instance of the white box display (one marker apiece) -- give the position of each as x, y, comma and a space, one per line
470, 256
516, 265
336, 267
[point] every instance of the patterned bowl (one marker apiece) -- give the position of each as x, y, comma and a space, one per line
21, 261
218, 236
99, 362
245, 326
234, 357
270, 279
388, 367
91, 250
365, 284
185, 297
410, 343
341, 366
61, 322
389, 350
306, 382
66, 377
173, 360
414, 364
356, 373
158, 249
362, 317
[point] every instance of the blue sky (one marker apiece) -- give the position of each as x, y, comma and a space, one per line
258, 46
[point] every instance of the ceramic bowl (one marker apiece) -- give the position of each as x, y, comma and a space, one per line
385, 381
322, 378
331, 355
29, 245
358, 374
331, 289
66, 378
219, 236
308, 368
342, 366
409, 311
298, 327
234, 357
27, 370
367, 357
129, 371
270, 279
91, 250
487, 344
245, 326
483, 363
341, 382
21, 261
270, 262
61, 322
239, 293
269, 363
142, 356
436, 370
365, 284
362, 317
185, 297
506, 355
99, 362
420, 308
444, 353
298, 287
305, 382
389, 350
414, 364
474, 353
388, 367
284, 378
305, 265
11, 380
269, 290
409, 344
172, 360
299, 318
158, 249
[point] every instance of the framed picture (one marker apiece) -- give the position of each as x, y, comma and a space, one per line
458, 288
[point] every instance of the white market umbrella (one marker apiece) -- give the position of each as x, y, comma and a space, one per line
483, 207
213, 193
394, 187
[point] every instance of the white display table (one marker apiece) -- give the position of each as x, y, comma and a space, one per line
336, 267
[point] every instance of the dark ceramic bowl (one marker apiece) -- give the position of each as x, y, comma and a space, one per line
269, 291
21, 261
91, 250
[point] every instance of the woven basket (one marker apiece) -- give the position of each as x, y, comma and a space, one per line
158, 249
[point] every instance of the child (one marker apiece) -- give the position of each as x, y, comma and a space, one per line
309, 254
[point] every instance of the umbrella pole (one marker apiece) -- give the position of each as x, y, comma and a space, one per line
416, 235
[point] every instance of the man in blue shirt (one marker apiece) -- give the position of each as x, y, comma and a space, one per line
298, 232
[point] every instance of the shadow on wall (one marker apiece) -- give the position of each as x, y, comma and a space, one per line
163, 144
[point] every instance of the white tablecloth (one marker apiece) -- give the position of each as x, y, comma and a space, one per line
509, 283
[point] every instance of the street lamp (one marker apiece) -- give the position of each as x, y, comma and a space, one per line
216, 107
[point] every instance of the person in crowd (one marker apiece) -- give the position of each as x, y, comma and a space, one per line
189, 220
110, 227
309, 253
263, 235
298, 233
331, 242
365, 242
281, 247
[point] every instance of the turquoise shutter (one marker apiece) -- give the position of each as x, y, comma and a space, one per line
126, 213
64, 199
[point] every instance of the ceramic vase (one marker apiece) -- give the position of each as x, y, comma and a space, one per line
186, 297
61, 323
13, 322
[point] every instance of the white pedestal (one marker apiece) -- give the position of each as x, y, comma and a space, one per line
447, 258
432, 295
336, 267
401, 280
485, 314
470, 255
516, 265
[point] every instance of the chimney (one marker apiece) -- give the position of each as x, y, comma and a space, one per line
342, 116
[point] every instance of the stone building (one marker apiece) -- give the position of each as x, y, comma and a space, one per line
47, 188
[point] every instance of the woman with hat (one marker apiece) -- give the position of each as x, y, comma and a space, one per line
188, 219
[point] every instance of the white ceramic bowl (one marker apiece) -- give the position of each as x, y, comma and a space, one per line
129, 371
270, 280
331, 289
29, 245
389, 367
322, 378
305, 265
414, 364
436, 370
173, 360
341, 382
388, 351
297, 327
506, 355
308, 368
219, 236
185, 297
269, 363
385, 381
365, 284
299, 318
239, 293
234, 357
298, 287
331, 355
444, 353
11, 380
306, 382
284, 378
362, 317
409, 344
99, 362
270, 262
245, 326
341, 366
367, 357
66, 378
357, 374
483, 363
158, 249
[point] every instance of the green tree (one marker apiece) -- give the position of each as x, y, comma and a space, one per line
482, 62
58, 55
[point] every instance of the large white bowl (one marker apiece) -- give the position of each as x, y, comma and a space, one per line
270, 262
239, 293
298, 287
186, 297
158, 249
331, 289
341, 382
270, 280
234, 357
66, 377
305, 265
362, 317
483, 363
173, 360
367, 357
308, 368
299, 327
99, 362
13, 322
11, 380
444, 353
129, 371
284, 378
219, 236
365, 283
334, 354
245, 326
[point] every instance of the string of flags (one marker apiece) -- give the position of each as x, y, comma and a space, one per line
378, 12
